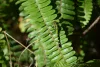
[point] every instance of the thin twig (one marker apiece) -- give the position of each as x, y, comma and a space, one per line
92, 25
24, 51
17, 41
8, 50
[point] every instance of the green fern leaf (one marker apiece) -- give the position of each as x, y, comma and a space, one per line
66, 9
43, 31
67, 50
84, 11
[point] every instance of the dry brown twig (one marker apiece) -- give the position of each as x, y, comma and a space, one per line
26, 47
92, 25
17, 41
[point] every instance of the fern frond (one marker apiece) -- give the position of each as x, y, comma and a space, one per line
66, 49
84, 11
43, 31
69, 26
65, 8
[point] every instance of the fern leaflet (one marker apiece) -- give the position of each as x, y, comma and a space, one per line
84, 11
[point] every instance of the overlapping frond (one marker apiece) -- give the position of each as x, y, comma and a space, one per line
43, 32
66, 10
66, 49
85, 8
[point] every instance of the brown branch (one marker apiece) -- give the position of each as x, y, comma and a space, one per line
92, 25
17, 41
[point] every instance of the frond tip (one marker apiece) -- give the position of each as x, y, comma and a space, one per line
84, 11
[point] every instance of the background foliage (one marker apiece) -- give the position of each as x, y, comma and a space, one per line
53, 41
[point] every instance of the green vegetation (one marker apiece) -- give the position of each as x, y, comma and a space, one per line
48, 33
